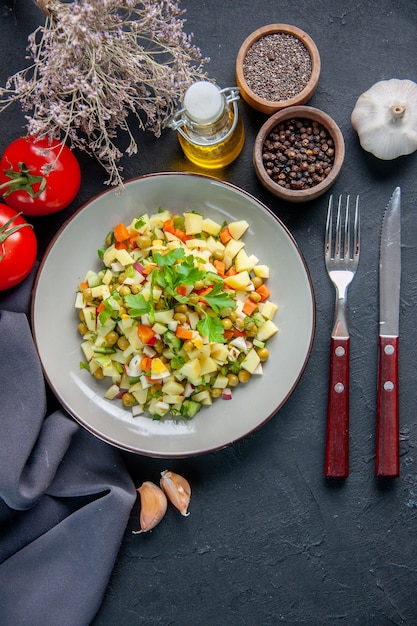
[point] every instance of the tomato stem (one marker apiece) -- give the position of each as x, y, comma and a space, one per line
5, 232
23, 180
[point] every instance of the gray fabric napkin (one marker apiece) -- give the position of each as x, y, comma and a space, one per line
65, 496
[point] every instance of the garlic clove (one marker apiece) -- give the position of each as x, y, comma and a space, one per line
177, 490
385, 118
153, 505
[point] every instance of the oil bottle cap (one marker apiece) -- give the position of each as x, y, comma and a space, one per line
203, 102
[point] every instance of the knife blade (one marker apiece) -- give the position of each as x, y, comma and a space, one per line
387, 461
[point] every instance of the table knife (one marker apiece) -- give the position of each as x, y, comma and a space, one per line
387, 421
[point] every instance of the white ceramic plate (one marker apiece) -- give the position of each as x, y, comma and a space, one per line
73, 252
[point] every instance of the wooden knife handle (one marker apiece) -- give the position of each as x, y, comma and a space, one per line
336, 464
387, 457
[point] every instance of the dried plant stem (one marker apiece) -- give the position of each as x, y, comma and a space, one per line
42, 4
97, 63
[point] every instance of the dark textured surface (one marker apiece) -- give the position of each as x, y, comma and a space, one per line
269, 540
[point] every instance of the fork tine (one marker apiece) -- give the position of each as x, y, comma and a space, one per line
357, 225
347, 229
339, 224
328, 234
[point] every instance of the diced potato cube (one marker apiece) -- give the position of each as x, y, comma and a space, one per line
251, 361
107, 277
267, 309
124, 257
219, 352
239, 281
192, 370
193, 223
171, 238
232, 248
164, 317
201, 351
157, 220
196, 243
215, 246
109, 256
140, 395
172, 398
87, 348
210, 226
193, 319
156, 293
156, 407
266, 330
101, 291
90, 317
173, 387
112, 392
203, 396
159, 328
262, 271
79, 300
140, 224
207, 365
221, 382
173, 241
237, 229
245, 262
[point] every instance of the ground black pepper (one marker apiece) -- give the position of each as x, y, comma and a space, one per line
277, 66
298, 154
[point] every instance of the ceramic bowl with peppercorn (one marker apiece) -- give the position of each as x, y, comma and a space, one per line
277, 66
298, 153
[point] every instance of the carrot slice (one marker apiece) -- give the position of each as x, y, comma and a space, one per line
183, 333
225, 235
146, 334
263, 291
121, 233
181, 290
169, 227
249, 307
220, 267
146, 363
204, 291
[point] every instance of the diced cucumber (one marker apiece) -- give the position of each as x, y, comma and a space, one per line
190, 408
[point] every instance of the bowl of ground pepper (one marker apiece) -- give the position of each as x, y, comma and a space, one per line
298, 153
277, 66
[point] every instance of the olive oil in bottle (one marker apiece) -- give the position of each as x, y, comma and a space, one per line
210, 129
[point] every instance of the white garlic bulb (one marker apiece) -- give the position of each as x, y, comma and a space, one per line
385, 118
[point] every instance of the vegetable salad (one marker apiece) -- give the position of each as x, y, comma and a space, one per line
178, 315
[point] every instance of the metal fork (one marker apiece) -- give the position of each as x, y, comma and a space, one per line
341, 254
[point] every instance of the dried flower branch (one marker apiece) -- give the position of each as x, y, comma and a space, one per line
97, 62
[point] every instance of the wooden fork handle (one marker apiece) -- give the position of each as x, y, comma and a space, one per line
336, 463
387, 457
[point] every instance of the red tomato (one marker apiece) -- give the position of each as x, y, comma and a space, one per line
18, 247
38, 177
